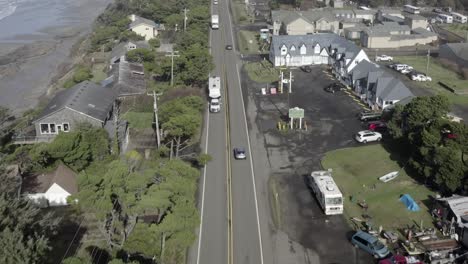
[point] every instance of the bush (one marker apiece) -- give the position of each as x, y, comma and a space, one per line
242, 18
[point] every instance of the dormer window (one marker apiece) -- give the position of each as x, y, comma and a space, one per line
303, 49
284, 50
293, 48
317, 49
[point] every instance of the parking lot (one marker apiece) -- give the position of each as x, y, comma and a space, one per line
331, 123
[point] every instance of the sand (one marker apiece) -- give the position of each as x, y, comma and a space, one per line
35, 46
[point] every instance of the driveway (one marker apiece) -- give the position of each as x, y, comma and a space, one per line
331, 122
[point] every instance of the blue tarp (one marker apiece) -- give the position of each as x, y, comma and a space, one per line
409, 202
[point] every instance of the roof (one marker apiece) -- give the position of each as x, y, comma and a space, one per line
86, 97
363, 68
389, 11
325, 40
325, 183
424, 32
63, 176
288, 16
414, 17
393, 18
391, 89
122, 48
140, 20
459, 49
458, 205
127, 79
365, 12
386, 28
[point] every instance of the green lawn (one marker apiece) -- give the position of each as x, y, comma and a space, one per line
99, 72
240, 12
248, 42
356, 171
438, 73
262, 72
459, 29
139, 119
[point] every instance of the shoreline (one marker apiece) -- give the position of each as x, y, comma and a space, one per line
30, 64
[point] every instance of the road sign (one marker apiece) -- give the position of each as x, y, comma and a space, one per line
296, 112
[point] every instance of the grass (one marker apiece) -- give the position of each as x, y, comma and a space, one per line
98, 72
275, 203
240, 13
262, 72
356, 171
139, 120
248, 42
438, 72
459, 29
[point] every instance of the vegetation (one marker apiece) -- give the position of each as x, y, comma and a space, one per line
262, 72
435, 146
140, 55
26, 230
139, 119
459, 29
359, 183
81, 73
248, 42
439, 73
239, 13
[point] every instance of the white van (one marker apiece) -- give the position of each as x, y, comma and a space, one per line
459, 18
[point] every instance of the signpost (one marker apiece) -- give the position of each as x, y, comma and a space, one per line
296, 112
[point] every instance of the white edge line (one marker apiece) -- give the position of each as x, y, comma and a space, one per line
251, 167
203, 189
200, 230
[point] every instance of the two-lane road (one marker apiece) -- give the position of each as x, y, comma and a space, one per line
230, 225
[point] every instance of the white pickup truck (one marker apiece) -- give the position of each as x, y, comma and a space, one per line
383, 58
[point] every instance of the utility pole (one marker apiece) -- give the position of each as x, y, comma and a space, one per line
290, 82
185, 18
427, 65
172, 55
156, 119
281, 83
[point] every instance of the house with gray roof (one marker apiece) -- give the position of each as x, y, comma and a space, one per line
119, 52
392, 35
145, 27
375, 87
292, 22
325, 48
85, 102
455, 53
126, 79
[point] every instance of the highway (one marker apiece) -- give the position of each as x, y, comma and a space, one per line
230, 227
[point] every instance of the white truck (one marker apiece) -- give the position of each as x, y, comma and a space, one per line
214, 92
214, 21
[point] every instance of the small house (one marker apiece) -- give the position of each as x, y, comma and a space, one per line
145, 27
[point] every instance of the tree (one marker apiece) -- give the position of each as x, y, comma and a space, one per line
26, 231
140, 55
74, 260
154, 43
82, 73
197, 65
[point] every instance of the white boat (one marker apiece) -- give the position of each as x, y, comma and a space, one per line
389, 176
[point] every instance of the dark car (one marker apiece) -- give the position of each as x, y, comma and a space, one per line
334, 87
239, 153
378, 126
306, 68
228, 47
370, 116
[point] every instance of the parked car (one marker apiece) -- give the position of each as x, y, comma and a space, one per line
420, 77
437, 10
215, 2
239, 153
392, 66
406, 71
228, 47
370, 116
334, 87
306, 68
370, 244
399, 67
367, 136
383, 58
378, 126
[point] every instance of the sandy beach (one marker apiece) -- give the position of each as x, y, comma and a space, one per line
35, 45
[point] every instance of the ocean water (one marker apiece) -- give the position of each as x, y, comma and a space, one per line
7, 7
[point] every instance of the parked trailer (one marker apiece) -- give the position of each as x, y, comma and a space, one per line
459, 18
327, 192
445, 18
411, 9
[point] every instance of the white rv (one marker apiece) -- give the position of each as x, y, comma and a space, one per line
459, 18
445, 18
214, 92
411, 9
327, 192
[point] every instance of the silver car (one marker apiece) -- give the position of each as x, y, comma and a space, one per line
239, 153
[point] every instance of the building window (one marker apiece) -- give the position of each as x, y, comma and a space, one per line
66, 127
147, 28
52, 129
45, 129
